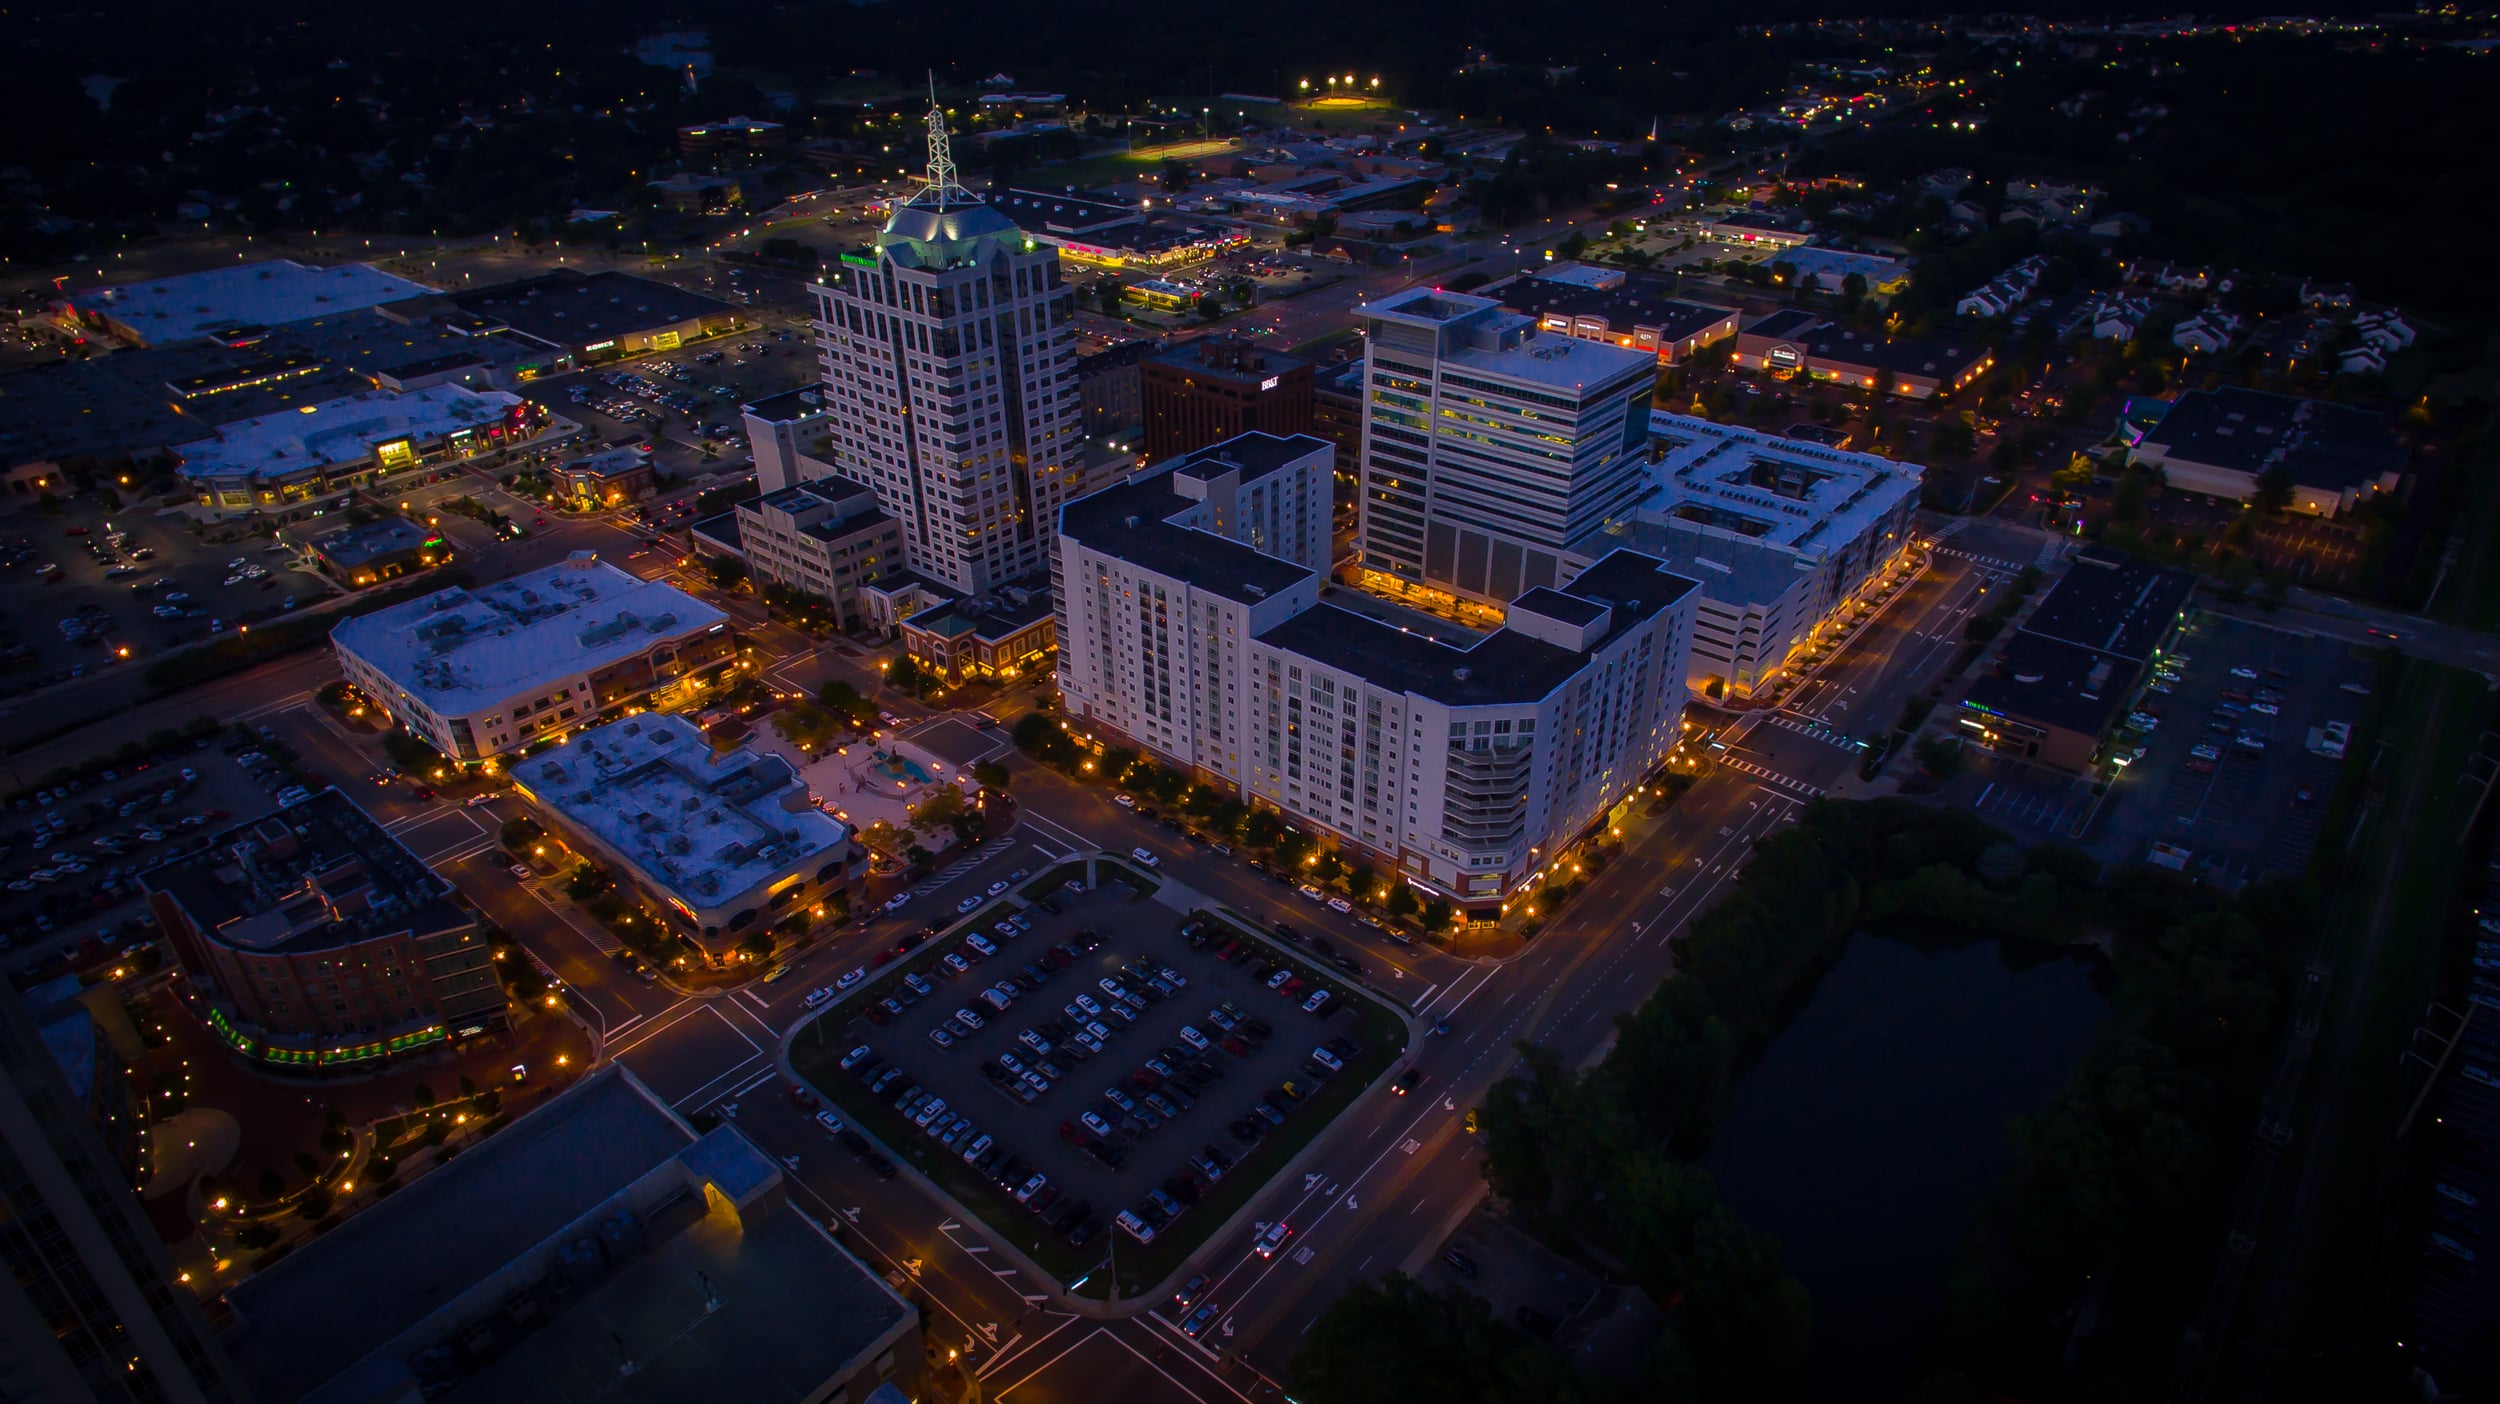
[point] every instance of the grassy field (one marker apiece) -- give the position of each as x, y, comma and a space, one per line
817, 1055
1360, 115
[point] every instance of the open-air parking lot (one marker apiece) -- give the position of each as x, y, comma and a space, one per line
1110, 1078
2228, 773
86, 591
2228, 778
71, 849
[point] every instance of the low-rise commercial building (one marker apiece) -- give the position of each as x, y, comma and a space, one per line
1781, 533
826, 537
1208, 390
600, 316
723, 843
597, 1245
288, 461
1109, 233
2047, 700
1606, 304
2229, 442
359, 556
2062, 679
1006, 634
1465, 760
731, 143
481, 672
1795, 341
235, 305
609, 479
313, 938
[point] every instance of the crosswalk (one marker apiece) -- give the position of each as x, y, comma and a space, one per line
1975, 558
1819, 730
1773, 777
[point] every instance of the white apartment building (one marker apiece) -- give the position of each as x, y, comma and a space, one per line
1462, 759
1780, 533
1487, 447
950, 382
485, 671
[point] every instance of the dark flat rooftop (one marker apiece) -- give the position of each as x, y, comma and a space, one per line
354, 546
2321, 444
1256, 453
1788, 321
1554, 604
2050, 682
786, 407
569, 308
794, 1311
1642, 301
2112, 604
345, 1295
1130, 521
1506, 666
252, 886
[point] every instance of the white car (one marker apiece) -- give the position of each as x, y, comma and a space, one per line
831, 1123
819, 995
895, 902
1144, 858
1124, 801
1340, 905
997, 887
854, 977
967, 904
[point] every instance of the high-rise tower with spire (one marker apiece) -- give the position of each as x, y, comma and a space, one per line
950, 374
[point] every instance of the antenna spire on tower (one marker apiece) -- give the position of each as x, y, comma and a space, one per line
942, 188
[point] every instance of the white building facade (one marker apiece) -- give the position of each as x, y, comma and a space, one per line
949, 367
483, 672
1462, 765
1487, 447
1780, 532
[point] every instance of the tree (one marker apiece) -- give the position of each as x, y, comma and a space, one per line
2274, 490
845, 701
588, 882
1392, 1340
991, 774
903, 674
1939, 756
805, 725
725, 572
757, 945
944, 805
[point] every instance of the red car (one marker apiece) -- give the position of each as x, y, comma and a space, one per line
425, 792
803, 1095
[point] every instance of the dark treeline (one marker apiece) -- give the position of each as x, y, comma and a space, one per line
2111, 1201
